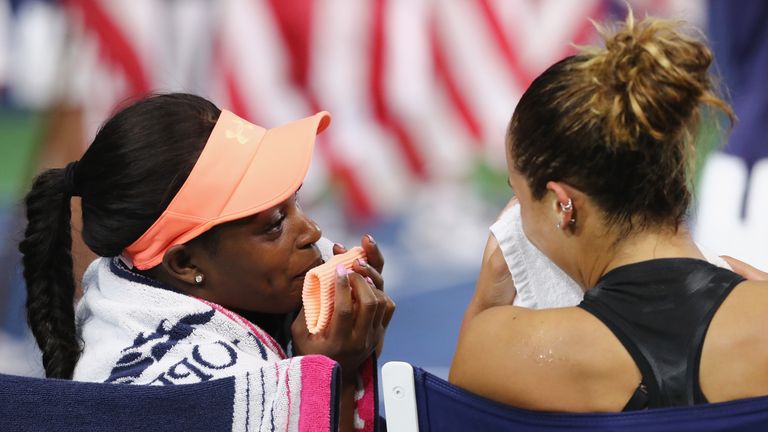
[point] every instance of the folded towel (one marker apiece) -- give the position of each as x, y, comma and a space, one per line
540, 284
136, 331
320, 289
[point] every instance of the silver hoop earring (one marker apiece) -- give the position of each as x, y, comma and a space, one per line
567, 207
198, 279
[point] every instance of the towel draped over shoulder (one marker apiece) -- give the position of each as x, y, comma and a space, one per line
136, 332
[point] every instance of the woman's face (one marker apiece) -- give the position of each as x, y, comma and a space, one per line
539, 217
258, 263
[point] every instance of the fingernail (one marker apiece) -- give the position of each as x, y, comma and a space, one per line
360, 262
370, 281
341, 270
370, 239
340, 246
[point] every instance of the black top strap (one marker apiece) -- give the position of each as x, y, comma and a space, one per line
660, 311
639, 399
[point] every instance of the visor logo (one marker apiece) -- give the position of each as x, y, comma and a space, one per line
238, 132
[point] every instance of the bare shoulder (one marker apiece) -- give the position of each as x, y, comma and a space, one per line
555, 359
734, 360
744, 312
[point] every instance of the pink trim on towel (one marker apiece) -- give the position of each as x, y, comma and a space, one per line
365, 406
316, 381
288, 392
265, 338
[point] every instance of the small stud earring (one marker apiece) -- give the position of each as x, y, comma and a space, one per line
198, 279
558, 225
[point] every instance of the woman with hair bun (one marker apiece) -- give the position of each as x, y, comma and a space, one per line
204, 250
599, 153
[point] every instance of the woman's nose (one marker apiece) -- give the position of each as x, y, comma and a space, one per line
310, 233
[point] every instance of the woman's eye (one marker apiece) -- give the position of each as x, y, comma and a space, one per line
277, 226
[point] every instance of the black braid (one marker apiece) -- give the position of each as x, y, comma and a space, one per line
47, 259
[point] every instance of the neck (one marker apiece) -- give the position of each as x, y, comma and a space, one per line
276, 325
643, 246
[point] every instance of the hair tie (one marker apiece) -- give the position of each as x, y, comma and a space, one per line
69, 179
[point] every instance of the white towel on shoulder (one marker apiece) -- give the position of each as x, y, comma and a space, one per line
539, 282
136, 331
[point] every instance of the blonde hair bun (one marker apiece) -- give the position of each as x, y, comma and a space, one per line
652, 77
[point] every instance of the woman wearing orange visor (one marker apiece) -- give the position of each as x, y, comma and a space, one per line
204, 251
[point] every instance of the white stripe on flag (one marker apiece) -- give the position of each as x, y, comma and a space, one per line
340, 79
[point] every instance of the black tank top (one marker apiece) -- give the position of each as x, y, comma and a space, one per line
660, 311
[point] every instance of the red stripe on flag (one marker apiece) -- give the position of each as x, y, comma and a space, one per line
234, 94
414, 160
357, 199
113, 44
521, 74
443, 72
294, 19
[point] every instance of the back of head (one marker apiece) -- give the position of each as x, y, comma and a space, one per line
619, 122
137, 162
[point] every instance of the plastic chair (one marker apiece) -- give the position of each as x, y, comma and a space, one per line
36, 404
416, 400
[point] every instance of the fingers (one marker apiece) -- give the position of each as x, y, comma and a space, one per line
389, 310
367, 271
373, 253
374, 277
373, 270
745, 270
494, 264
491, 246
361, 314
343, 312
498, 268
377, 324
338, 249
370, 304
387, 305
362, 308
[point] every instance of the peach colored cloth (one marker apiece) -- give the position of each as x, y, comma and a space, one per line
320, 289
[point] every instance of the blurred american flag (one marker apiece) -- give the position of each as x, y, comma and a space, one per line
420, 90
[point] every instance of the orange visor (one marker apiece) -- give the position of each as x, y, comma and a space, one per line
243, 169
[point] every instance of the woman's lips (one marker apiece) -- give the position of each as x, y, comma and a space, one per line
314, 264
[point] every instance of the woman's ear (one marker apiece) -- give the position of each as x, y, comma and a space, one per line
178, 263
565, 204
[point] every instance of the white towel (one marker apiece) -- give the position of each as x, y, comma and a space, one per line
539, 282
137, 332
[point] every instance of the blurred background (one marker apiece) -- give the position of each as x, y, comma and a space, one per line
420, 92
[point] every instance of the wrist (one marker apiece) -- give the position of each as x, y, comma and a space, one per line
348, 376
